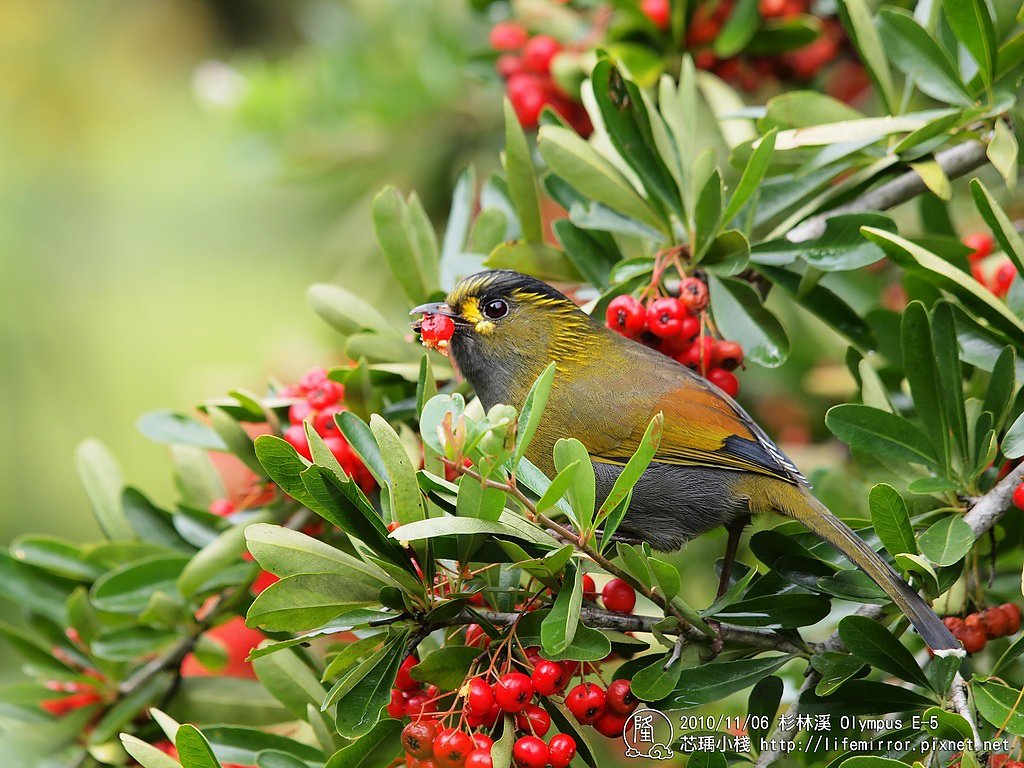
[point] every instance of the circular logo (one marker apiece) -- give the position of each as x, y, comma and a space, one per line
648, 733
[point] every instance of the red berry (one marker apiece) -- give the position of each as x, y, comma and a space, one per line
533, 719
403, 681
436, 328
326, 393
396, 707
971, 638
476, 636
589, 588
324, 422
952, 622
513, 691
417, 704
549, 678
483, 741
725, 381
1013, 615
690, 328
586, 702
418, 738
508, 64
222, 507
657, 11
479, 697
619, 698
665, 317
530, 752
1004, 278
703, 28
1018, 496
528, 97
295, 436
980, 243
312, 379
727, 355
479, 758
508, 36
693, 293
995, 622
539, 52
62, 706
610, 725
999, 760
618, 596
562, 749
771, 8
626, 315
452, 747
299, 411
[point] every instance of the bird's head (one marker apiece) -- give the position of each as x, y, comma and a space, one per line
508, 327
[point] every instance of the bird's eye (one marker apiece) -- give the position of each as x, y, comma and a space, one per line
495, 309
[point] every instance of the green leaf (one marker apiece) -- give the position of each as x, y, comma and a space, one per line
509, 525
740, 315
753, 175
145, 754
305, 601
999, 705
177, 428
916, 346
658, 679
133, 642
56, 556
580, 165
841, 248
211, 560
194, 750
1013, 443
1002, 227
948, 541
891, 520
916, 54
235, 438
532, 412
211, 700
582, 493
374, 749
879, 433
972, 27
102, 480
741, 26
635, 467
406, 500
762, 708
713, 682
241, 746
397, 241
873, 643
285, 552
287, 677
359, 707
446, 667
559, 627
521, 178
949, 374
537, 259
859, 23
630, 129
128, 589
785, 611
346, 312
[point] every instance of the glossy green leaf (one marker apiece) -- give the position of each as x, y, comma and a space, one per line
146, 754
537, 259
305, 601
128, 589
740, 315
171, 427
290, 680
532, 412
194, 750
842, 247
371, 750
914, 51
972, 26
521, 179
753, 175
712, 682
635, 467
891, 520
880, 434
658, 679
873, 643
391, 223
948, 541
346, 312
999, 705
582, 493
559, 627
1001, 225
859, 23
101, 477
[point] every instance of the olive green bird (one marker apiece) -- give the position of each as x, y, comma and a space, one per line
714, 466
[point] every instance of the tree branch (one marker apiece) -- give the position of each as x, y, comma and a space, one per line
987, 510
955, 162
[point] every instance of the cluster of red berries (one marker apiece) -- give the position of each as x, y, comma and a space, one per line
524, 62
999, 281
79, 695
318, 399
978, 628
428, 744
1002, 760
674, 327
749, 73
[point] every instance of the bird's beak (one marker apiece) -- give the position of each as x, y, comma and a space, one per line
437, 308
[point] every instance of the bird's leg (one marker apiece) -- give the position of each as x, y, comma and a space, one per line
735, 529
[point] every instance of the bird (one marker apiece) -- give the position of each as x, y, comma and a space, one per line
714, 466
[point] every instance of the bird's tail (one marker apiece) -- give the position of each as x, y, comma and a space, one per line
799, 504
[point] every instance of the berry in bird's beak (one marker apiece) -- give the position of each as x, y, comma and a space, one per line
436, 331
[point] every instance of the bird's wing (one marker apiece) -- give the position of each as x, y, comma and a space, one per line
704, 428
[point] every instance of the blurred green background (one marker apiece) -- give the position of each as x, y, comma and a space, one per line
174, 175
